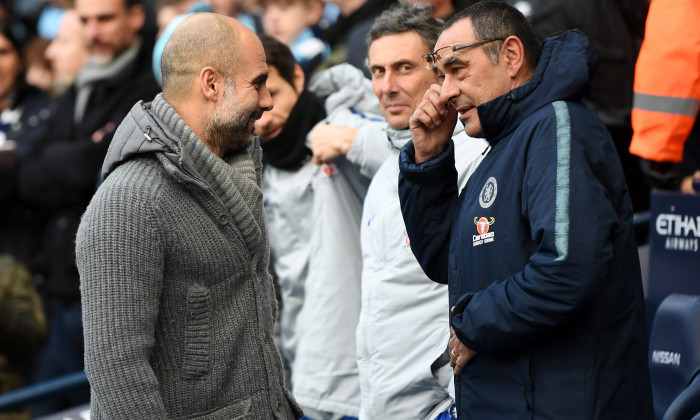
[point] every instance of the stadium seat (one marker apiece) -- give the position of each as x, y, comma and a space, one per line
674, 358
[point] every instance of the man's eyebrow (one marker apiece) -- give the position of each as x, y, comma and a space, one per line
403, 62
452, 61
262, 78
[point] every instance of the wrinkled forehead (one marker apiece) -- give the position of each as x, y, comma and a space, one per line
461, 32
404, 47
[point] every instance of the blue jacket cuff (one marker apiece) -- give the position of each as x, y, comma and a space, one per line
429, 172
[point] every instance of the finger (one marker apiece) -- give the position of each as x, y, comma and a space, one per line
432, 107
435, 96
451, 113
459, 365
421, 118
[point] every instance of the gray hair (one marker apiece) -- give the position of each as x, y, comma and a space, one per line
406, 17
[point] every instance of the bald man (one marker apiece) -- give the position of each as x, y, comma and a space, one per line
178, 304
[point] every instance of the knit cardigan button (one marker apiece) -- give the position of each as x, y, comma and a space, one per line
223, 219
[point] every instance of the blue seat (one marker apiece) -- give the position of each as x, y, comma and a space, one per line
674, 358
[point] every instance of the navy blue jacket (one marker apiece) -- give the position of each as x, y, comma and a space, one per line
539, 253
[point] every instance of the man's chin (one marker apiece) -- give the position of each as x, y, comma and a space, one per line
101, 59
398, 124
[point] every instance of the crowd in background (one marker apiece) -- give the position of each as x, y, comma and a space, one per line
68, 76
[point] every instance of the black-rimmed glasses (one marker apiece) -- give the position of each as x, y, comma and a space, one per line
433, 58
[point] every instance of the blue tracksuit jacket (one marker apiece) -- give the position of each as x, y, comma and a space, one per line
539, 253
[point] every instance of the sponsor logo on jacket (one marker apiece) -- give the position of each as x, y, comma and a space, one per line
488, 193
483, 225
328, 169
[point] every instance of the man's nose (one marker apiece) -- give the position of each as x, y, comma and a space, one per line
265, 102
91, 29
449, 89
389, 84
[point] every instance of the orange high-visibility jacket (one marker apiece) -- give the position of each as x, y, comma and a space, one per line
667, 80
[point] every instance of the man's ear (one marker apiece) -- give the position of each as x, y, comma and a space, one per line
211, 83
137, 17
513, 53
299, 78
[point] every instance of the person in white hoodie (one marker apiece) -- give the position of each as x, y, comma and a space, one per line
403, 331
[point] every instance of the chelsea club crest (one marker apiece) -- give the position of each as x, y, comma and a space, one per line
488, 193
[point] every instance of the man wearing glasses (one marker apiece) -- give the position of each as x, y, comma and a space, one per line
538, 249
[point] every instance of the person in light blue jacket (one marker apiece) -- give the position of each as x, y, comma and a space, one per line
325, 377
287, 178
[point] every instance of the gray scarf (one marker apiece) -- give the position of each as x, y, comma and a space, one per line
92, 73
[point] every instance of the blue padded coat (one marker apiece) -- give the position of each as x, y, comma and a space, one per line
539, 253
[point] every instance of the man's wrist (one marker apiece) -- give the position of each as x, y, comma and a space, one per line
424, 157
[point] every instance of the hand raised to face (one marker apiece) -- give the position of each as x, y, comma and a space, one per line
432, 124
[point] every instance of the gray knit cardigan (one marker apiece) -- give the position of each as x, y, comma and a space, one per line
178, 305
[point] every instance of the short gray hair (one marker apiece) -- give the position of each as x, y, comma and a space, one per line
406, 17
200, 40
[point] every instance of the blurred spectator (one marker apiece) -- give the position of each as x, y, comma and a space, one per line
166, 10
49, 20
170, 22
61, 172
245, 13
23, 116
22, 328
287, 179
330, 15
444, 9
396, 293
616, 30
346, 36
290, 21
25, 15
24, 111
251, 7
667, 97
67, 53
38, 67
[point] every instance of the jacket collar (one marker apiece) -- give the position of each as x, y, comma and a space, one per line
564, 72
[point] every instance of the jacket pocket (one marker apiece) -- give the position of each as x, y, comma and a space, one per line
237, 410
196, 358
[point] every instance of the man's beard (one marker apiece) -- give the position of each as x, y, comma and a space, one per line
228, 127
